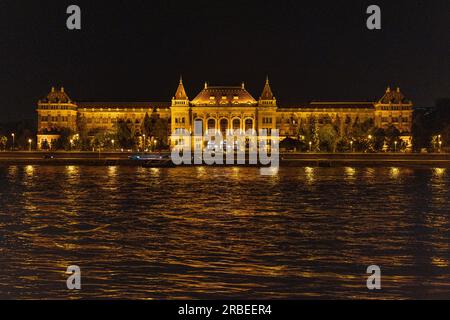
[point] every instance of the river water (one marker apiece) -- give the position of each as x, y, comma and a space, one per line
213, 233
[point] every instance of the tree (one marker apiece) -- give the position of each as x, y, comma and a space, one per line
63, 143
313, 134
291, 144
160, 132
83, 142
328, 138
393, 139
361, 132
124, 135
147, 126
103, 140
3, 142
45, 145
378, 138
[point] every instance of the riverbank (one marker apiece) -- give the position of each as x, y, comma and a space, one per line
286, 159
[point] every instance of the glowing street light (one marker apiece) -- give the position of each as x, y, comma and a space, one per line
440, 146
395, 146
29, 142
143, 141
13, 135
351, 146
112, 141
310, 146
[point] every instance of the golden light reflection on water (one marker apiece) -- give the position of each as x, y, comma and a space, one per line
29, 170
350, 175
224, 232
394, 173
440, 172
309, 174
439, 262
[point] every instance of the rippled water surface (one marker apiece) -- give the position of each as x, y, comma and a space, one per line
305, 233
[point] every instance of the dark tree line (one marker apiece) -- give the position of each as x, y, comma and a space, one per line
432, 126
22, 130
343, 135
152, 135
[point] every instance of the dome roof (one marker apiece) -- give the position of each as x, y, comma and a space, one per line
223, 96
57, 96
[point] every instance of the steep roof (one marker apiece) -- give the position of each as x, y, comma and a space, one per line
181, 93
56, 96
267, 91
394, 97
224, 95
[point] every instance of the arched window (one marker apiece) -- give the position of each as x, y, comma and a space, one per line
211, 124
236, 124
248, 124
223, 127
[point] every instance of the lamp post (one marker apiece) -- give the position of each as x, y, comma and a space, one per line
143, 142
439, 142
13, 135
112, 141
29, 142
395, 146
310, 146
370, 142
351, 146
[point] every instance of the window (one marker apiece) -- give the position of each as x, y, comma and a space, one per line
267, 120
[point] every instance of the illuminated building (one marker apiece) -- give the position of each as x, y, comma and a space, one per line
219, 108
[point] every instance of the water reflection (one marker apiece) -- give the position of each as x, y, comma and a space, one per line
394, 173
309, 174
206, 232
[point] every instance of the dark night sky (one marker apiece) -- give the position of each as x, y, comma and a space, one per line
135, 50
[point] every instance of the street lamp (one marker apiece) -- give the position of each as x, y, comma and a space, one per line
395, 146
112, 141
143, 141
351, 146
439, 142
13, 135
310, 146
29, 142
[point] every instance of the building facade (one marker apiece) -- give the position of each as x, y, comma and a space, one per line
218, 108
